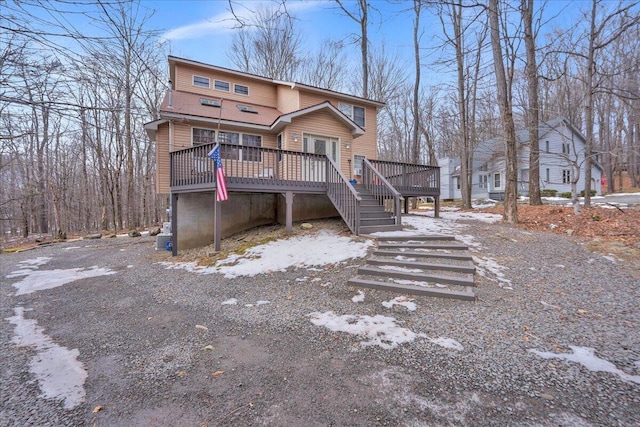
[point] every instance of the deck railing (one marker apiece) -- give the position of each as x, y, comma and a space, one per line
343, 196
246, 166
410, 178
382, 190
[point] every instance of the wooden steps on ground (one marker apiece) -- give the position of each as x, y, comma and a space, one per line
430, 265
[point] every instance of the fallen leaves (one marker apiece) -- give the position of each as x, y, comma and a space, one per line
204, 328
216, 374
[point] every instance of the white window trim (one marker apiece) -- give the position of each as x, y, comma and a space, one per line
235, 85
343, 106
193, 81
193, 128
221, 81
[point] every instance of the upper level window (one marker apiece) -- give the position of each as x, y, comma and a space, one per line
220, 85
546, 146
203, 136
354, 112
566, 148
241, 89
201, 81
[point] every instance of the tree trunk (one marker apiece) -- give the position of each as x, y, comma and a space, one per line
531, 69
511, 184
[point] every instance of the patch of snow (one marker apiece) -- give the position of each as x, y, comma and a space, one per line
559, 265
610, 258
37, 280
402, 301
377, 330
230, 301
411, 282
404, 258
59, 374
449, 343
68, 248
263, 302
306, 251
489, 265
359, 297
587, 358
302, 279
401, 269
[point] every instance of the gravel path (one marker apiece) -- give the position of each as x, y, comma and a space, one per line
160, 348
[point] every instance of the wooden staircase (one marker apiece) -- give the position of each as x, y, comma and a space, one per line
373, 217
431, 265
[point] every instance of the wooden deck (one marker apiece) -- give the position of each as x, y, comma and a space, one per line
268, 170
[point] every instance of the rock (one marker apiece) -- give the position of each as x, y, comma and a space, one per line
306, 226
93, 236
134, 233
155, 231
547, 396
570, 232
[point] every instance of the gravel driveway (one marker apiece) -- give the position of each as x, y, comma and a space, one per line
159, 348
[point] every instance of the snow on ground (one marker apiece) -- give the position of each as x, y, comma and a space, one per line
587, 358
323, 248
37, 280
401, 301
449, 343
377, 330
489, 265
359, 297
59, 374
230, 301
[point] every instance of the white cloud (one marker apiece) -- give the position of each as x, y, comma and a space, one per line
217, 24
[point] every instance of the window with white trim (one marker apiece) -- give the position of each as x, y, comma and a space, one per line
201, 81
354, 112
241, 89
566, 176
222, 86
483, 180
496, 180
203, 136
250, 153
357, 164
566, 148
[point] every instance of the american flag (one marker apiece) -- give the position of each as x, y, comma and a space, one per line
221, 182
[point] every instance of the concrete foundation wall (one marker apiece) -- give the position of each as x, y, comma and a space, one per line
242, 211
305, 207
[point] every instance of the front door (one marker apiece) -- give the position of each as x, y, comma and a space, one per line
315, 168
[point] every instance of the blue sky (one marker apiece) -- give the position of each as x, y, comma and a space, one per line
201, 30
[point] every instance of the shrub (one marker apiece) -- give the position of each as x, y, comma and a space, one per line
548, 192
566, 195
592, 192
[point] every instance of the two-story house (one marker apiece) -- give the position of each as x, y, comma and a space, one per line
289, 151
562, 157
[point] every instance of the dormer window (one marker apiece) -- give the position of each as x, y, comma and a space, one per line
210, 102
220, 85
246, 109
201, 81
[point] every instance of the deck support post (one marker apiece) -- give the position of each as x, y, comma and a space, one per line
436, 206
217, 220
288, 196
174, 224
406, 205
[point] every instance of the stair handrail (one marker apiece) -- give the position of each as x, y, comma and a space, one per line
387, 190
344, 196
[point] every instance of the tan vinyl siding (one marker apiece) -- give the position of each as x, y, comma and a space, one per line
181, 136
288, 100
260, 92
309, 99
324, 123
162, 159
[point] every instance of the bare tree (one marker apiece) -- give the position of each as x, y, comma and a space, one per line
268, 45
506, 111
360, 15
531, 69
327, 68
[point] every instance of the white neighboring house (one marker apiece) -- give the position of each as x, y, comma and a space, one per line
562, 148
